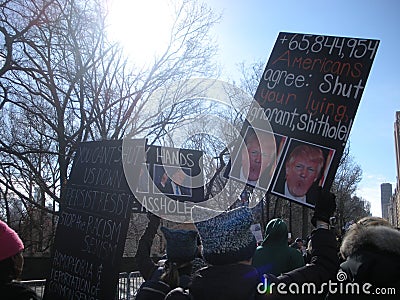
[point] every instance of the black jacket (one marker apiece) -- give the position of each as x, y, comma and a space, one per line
230, 282
17, 291
157, 289
225, 282
299, 284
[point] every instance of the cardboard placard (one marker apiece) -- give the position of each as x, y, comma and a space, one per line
93, 221
309, 93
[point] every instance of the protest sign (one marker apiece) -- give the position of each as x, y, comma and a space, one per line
171, 180
308, 94
93, 221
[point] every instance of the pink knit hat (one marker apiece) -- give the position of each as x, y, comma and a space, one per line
10, 243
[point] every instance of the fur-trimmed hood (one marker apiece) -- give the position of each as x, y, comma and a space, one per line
381, 238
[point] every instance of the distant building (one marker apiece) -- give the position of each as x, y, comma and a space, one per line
395, 201
386, 194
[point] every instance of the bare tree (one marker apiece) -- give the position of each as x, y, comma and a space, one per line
349, 206
63, 82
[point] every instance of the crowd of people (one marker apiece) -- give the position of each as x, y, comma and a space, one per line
220, 259
236, 268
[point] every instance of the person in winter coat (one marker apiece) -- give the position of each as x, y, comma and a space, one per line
371, 253
11, 265
227, 244
310, 281
274, 256
176, 271
228, 247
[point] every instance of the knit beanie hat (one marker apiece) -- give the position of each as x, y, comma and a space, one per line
181, 244
226, 238
10, 243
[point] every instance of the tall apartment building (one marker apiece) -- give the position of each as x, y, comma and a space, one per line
386, 195
394, 206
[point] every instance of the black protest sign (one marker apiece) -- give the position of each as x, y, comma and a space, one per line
93, 221
309, 92
170, 180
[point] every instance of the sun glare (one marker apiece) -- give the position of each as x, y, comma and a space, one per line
141, 26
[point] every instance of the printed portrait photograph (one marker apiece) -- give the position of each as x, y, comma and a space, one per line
256, 157
303, 167
172, 180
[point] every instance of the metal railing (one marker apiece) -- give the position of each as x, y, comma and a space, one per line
36, 285
128, 285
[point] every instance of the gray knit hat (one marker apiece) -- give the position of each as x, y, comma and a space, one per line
181, 244
226, 238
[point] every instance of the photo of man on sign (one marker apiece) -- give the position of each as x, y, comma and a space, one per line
255, 161
174, 182
304, 167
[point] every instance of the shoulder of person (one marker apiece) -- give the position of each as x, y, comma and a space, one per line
178, 294
18, 290
153, 290
296, 257
295, 251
